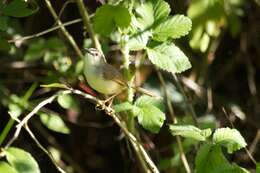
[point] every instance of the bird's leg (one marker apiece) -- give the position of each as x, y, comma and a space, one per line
102, 103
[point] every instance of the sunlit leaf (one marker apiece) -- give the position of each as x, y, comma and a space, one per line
151, 12
189, 131
108, 17
54, 122
123, 107
67, 101
6, 168
169, 57
230, 138
21, 160
148, 114
55, 85
139, 41
174, 27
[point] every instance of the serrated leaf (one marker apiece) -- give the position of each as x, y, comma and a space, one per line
161, 10
20, 8
67, 101
148, 114
151, 118
229, 138
169, 57
189, 131
150, 13
210, 158
147, 100
6, 168
174, 27
108, 17
21, 160
123, 107
144, 15
3, 23
54, 122
139, 42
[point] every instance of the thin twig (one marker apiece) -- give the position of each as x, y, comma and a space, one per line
96, 101
64, 30
64, 6
186, 100
86, 20
233, 126
52, 141
43, 149
174, 120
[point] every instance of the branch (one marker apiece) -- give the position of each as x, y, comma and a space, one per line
174, 120
186, 100
45, 31
136, 145
63, 29
86, 20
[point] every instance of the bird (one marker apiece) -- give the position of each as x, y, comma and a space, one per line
105, 78
100, 75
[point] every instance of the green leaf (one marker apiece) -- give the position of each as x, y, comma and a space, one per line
258, 168
54, 122
6, 168
209, 158
21, 160
55, 85
150, 13
229, 138
148, 114
174, 27
139, 41
189, 131
123, 107
161, 10
169, 57
35, 51
3, 23
20, 8
67, 101
144, 16
15, 110
147, 100
108, 17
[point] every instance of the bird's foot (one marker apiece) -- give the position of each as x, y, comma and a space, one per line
105, 105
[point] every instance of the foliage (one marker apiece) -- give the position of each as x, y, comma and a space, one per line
19, 161
209, 17
210, 157
145, 34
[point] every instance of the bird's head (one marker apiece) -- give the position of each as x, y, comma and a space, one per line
93, 57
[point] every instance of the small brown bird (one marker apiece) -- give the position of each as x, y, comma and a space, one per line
101, 76
105, 78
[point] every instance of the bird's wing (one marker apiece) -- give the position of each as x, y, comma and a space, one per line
111, 73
